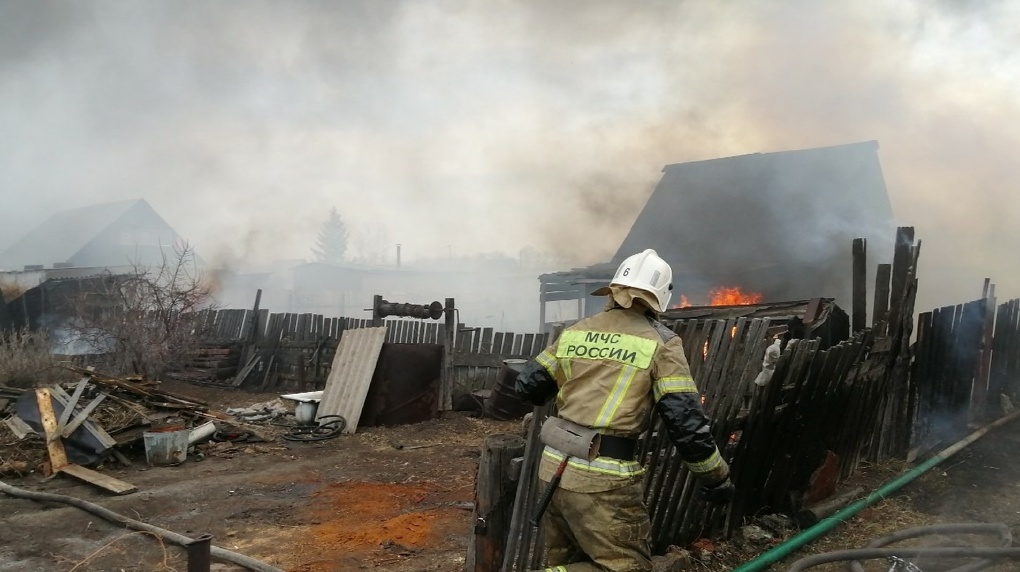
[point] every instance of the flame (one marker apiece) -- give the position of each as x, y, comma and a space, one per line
732, 296
723, 296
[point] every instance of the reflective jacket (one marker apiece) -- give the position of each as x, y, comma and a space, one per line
607, 373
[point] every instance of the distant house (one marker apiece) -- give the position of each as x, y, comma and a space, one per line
780, 224
71, 248
105, 235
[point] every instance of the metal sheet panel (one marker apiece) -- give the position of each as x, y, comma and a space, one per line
351, 375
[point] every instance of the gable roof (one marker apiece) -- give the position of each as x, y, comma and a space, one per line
65, 233
733, 215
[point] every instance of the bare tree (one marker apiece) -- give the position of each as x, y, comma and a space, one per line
147, 320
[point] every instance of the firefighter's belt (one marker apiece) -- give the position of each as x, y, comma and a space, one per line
621, 448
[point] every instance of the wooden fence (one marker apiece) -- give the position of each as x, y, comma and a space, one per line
293, 352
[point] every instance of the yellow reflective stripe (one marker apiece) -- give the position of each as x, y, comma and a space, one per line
623, 348
555, 569
567, 369
623, 380
677, 384
547, 360
601, 465
708, 465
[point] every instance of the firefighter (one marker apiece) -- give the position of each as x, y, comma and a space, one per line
607, 373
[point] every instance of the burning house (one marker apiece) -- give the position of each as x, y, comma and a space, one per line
747, 229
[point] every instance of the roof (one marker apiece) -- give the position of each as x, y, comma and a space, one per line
65, 233
723, 216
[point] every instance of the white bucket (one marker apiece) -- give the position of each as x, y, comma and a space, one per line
305, 412
166, 447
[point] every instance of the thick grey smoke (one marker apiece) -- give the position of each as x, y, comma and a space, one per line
473, 127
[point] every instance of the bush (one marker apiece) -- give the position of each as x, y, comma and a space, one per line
26, 361
145, 321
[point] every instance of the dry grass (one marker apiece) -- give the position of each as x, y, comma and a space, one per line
26, 361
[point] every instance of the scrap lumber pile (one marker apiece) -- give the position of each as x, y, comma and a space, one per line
97, 421
214, 364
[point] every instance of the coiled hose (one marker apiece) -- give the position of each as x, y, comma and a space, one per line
878, 548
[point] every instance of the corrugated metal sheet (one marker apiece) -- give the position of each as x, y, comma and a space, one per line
351, 375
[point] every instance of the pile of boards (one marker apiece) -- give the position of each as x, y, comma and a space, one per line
67, 428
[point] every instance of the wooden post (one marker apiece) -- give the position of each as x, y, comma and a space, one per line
377, 320
902, 261
494, 502
859, 313
446, 385
881, 296
980, 403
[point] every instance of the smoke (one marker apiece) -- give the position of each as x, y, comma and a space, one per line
452, 126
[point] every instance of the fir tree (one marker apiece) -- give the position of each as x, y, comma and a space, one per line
331, 245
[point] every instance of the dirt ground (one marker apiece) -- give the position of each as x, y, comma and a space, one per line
359, 503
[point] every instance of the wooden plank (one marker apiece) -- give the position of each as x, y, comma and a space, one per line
508, 344
900, 269
485, 347
497, 343
881, 303
67, 430
115, 486
18, 427
71, 404
516, 348
48, 419
859, 311
104, 438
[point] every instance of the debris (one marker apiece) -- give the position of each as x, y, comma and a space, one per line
753, 534
404, 447
17, 468
265, 411
58, 459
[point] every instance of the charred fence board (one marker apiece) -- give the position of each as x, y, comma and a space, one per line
1004, 375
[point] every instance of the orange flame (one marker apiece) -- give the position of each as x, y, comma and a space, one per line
732, 296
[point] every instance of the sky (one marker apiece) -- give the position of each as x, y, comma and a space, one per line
473, 127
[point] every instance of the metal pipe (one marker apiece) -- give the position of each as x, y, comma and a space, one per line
199, 553
792, 545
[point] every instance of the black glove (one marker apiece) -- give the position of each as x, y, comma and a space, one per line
719, 493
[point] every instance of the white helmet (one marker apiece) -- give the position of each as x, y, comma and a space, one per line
646, 271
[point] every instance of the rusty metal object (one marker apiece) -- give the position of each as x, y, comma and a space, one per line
405, 386
200, 553
384, 308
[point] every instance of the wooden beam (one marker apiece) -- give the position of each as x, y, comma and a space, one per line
54, 446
